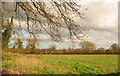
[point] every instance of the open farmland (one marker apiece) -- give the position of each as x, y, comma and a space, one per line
59, 64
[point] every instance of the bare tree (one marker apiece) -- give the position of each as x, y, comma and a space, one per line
31, 43
19, 43
51, 17
87, 45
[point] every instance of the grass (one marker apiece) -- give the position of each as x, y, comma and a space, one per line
59, 64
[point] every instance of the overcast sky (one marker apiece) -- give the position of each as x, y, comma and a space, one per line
102, 19
104, 23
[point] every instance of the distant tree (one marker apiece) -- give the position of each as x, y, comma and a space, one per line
87, 45
37, 44
19, 43
114, 46
52, 47
101, 48
31, 43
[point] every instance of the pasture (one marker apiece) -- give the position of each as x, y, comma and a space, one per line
59, 64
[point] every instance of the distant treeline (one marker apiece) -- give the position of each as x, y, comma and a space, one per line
60, 51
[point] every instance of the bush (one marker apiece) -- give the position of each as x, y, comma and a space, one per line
60, 51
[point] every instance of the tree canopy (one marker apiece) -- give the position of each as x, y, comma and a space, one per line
114, 46
87, 45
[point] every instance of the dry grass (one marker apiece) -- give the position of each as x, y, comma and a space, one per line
26, 61
26, 64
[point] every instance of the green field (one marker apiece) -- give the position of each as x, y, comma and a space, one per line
59, 64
